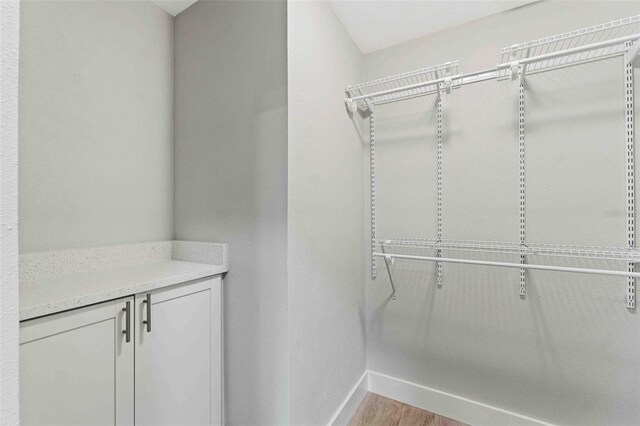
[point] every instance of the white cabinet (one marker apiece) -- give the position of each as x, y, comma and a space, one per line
77, 368
179, 355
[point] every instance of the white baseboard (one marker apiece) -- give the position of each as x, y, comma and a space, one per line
350, 404
443, 403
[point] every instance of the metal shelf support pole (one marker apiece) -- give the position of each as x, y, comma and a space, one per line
372, 176
628, 82
521, 140
439, 183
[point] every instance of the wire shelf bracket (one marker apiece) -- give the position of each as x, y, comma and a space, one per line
631, 52
388, 262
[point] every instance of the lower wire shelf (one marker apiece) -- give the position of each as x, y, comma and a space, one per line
599, 253
586, 252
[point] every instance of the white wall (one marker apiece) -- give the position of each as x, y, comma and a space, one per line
9, 373
96, 135
231, 185
325, 219
568, 353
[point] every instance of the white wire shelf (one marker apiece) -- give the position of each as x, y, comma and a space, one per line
601, 253
402, 86
562, 50
571, 40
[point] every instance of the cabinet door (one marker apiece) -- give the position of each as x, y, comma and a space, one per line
179, 355
76, 367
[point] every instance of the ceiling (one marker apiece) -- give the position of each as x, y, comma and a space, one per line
173, 7
375, 25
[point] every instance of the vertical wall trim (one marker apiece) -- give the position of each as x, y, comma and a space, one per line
9, 53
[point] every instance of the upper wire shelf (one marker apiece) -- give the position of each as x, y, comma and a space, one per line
575, 47
587, 252
401, 86
571, 40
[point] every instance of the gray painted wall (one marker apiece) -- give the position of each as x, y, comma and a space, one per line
96, 133
231, 184
568, 353
325, 220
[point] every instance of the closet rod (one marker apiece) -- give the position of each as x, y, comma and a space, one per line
492, 73
468, 78
390, 256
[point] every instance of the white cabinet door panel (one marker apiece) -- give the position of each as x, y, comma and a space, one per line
178, 361
76, 368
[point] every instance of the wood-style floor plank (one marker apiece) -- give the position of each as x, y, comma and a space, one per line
376, 410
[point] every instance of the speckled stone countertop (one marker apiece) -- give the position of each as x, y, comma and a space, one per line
57, 281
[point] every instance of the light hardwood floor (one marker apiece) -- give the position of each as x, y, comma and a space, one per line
376, 410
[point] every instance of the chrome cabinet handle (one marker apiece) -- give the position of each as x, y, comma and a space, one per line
127, 325
147, 301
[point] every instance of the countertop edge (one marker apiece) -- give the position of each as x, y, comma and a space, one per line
57, 306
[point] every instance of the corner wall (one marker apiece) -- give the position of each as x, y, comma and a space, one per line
231, 185
568, 353
325, 216
9, 333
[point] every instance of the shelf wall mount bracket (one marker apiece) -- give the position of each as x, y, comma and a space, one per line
448, 82
351, 105
631, 52
388, 261
516, 71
